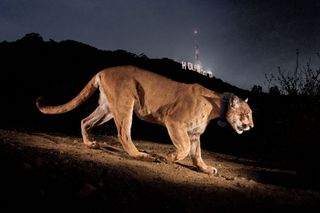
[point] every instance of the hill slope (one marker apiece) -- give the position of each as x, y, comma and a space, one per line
48, 170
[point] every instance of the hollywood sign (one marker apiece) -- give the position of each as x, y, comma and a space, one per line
197, 68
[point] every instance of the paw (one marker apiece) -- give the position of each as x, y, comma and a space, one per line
92, 145
209, 170
170, 157
142, 156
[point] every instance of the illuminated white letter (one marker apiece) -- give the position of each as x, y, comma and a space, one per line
197, 68
202, 71
184, 65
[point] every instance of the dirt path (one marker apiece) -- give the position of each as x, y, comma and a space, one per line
53, 171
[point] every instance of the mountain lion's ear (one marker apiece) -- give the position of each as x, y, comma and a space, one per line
246, 100
234, 101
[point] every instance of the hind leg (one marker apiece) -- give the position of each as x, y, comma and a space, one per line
123, 119
99, 116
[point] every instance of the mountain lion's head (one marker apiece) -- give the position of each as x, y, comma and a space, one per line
239, 114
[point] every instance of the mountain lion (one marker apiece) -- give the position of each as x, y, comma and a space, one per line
184, 109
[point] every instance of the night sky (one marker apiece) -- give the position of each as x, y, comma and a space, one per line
239, 40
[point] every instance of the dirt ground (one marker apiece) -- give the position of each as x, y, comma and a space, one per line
48, 172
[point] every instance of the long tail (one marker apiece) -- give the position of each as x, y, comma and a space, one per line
86, 92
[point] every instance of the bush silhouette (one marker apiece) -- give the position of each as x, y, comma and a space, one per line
302, 81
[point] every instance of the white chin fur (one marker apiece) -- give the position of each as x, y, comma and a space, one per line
239, 131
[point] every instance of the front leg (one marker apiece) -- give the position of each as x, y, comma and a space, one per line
195, 153
180, 140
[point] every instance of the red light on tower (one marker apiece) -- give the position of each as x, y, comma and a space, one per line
197, 51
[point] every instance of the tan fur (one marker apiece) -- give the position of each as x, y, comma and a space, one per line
184, 109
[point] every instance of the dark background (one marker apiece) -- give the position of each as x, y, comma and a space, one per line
239, 40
